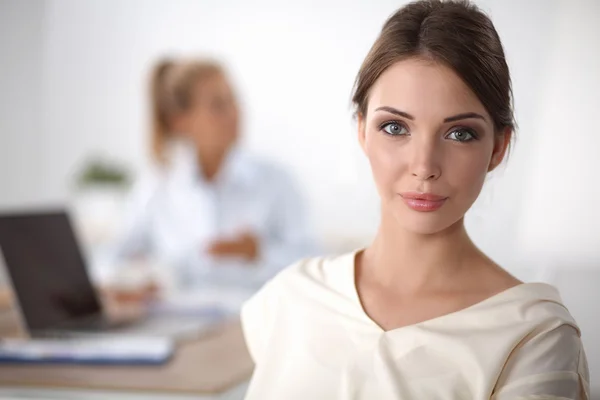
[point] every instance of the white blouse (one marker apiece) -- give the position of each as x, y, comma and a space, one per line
311, 339
174, 214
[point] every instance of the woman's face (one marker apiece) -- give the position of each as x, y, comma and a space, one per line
212, 121
430, 143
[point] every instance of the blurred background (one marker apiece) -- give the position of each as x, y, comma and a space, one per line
74, 118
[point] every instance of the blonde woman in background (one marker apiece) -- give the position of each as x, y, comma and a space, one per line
208, 209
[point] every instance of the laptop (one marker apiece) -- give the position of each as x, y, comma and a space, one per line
53, 290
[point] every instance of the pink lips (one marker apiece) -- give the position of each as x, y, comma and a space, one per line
424, 202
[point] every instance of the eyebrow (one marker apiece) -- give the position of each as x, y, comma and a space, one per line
468, 115
392, 110
458, 117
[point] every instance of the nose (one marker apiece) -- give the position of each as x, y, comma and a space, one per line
425, 165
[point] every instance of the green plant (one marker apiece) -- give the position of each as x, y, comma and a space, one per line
101, 172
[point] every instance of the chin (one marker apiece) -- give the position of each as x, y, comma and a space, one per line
426, 223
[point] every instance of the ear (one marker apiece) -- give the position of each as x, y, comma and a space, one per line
501, 142
362, 130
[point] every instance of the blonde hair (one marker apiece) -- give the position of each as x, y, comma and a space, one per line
172, 91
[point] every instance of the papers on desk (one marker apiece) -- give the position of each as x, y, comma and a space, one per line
113, 350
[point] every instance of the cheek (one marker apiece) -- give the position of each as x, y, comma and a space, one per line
467, 173
385, 159
205, 123
231, 123
200, 120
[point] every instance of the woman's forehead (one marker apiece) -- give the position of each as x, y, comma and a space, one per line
424, 89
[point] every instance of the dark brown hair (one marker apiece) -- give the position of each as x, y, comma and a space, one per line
172, 90
455, 33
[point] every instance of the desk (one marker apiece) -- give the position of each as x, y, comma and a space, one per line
210, 365
20, 393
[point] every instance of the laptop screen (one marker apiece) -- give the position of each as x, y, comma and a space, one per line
47, 270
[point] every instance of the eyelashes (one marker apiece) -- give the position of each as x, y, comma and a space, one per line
461, 134
394, 128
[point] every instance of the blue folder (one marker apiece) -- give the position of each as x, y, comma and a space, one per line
90, 351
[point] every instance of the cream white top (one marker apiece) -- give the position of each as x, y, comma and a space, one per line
311, 339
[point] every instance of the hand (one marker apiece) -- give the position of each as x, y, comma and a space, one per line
245, 246
142, 294
123, 305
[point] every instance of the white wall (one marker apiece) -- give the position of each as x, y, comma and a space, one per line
560, 215
20, 105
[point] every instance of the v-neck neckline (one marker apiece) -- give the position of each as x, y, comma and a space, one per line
547, 291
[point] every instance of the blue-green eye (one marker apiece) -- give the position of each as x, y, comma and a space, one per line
394, 129
462, 135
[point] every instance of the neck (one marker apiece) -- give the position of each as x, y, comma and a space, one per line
211, 164
412, 262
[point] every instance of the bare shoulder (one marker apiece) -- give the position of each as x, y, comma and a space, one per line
504, 279
491, 278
